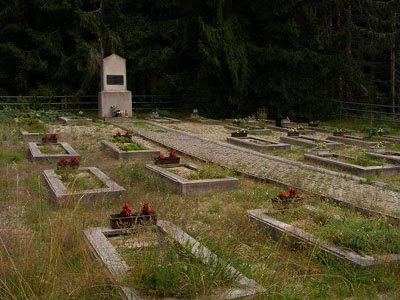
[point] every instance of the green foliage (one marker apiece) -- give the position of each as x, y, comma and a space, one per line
121, 139
133, 146
207, 172
10, 157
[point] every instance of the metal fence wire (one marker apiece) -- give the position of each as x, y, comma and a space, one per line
82, 103
369, 111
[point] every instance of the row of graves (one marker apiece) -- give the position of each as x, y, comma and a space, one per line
134, 239
254, 134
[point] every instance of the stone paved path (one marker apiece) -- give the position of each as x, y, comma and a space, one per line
247, 161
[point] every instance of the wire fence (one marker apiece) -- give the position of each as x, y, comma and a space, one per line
368, 111
82, 103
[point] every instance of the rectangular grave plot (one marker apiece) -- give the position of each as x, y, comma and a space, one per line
286, 129
60, 194
36, 155
351, 140
78, 121
254, 131
211, 121
306, 141
392, 156
30, 137
181, 185
278, 229
328, 160
146, 155
119, 269
164, 120
258, 144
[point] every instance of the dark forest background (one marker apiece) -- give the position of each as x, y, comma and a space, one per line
227, 56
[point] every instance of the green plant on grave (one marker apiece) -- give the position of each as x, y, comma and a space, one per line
121, 139
207, 172
314, 123
293, 130
240, 131
261, 124
338, 130
379, 145
133, 146
300, 127
380, 130
321, 146
369, 130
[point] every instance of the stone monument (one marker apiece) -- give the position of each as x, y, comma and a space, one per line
114, 94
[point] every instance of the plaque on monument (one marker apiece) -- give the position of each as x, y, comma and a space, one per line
115, 79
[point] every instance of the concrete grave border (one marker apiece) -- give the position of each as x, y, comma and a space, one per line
118, 268
351, 140
273, 145
36, 155
279, 229
386, 170
307, 141
76, 121
28, 136
181, 185
388, 155
286, 129
164, 120
261, 130
61, 194
116, 152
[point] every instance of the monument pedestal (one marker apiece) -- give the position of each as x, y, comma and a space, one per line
122, 99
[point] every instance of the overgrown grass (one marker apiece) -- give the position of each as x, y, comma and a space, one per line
133, 146
169, 270
208, 172
10, 157
52, 149
76, 180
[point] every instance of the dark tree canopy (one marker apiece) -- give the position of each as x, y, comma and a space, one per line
225, 56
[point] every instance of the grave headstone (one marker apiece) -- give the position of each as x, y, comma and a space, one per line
114, 94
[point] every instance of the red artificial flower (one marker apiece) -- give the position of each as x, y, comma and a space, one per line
73, 159
118, 133
63, 160
53, 136
126, 210
292, 193
44, 136
172, 153
30, 122
146, 208
127, 133
281, 195
160, 156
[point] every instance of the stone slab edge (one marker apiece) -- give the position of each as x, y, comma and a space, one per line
75, 121
117, 268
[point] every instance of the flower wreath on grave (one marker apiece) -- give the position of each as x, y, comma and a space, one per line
283, 199
72, 162
172, 158
125, 219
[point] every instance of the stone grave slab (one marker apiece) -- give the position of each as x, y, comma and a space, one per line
279, 229
254, 131
258, 144
116, 152
118, 268
181, 185
385, 170
391, 156
36, 155
78, 121
352, 140
307, 141
62, 195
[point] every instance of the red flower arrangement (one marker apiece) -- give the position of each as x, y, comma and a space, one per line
171, 159
30, 122
73, 162
44, 137
172, 153
51, 139
125, 219
118, 133
53, 136
126, 210
285, 199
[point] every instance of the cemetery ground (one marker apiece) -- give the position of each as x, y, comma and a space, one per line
44, 255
